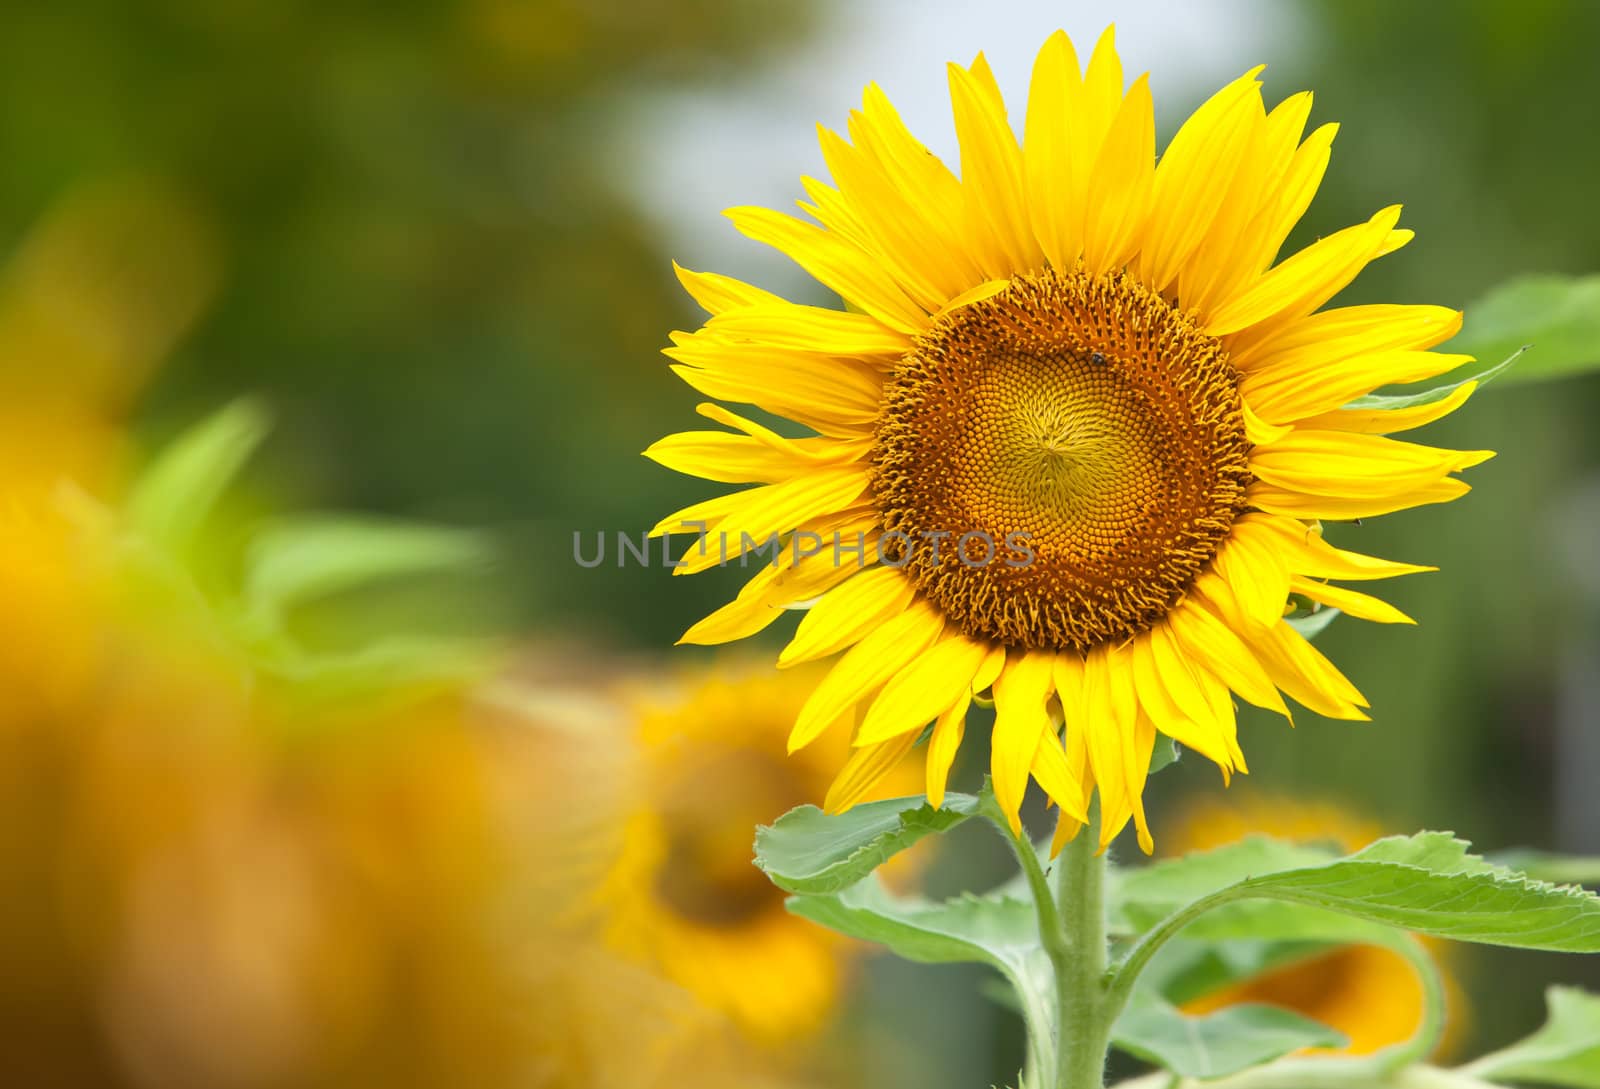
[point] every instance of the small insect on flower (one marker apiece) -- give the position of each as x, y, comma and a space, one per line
1072, 341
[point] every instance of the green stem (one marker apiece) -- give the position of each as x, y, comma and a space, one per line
1039, 1018
1067, 1045
1079, 956
1430, 1031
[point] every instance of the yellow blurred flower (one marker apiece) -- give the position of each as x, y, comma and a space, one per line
239, 874
84, 320
684, 893
1369, 993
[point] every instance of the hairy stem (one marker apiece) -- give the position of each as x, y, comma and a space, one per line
1078, 952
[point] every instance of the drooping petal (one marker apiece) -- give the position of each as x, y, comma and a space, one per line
864, 770
943, 745
938, 678
1208, 641
1020, 723
864, 667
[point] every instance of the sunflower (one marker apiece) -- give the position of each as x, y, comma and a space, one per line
1073, 435
1370, 993
683, 895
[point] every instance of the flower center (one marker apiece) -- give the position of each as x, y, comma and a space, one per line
706, 876
1057, 462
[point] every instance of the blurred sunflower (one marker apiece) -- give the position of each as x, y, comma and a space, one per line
1369, 993
83, 324
1074, 426
684, 894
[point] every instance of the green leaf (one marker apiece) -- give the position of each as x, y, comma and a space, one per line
1142, 897
1426, 883
1218, 1044
999, 930
1556, 317
1565, 1052
175, 494
808, 851
294, 561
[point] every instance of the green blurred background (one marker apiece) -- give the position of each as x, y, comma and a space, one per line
441, 235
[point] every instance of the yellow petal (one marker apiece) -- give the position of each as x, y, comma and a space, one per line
1233, 253
1359, 605
717, 293
763, 599
839, 399
864, 770
925, 689
1310, 554
1054, 773
1338, 384
1295, 190
1020, 722
1302, 348
760, 513
1308, 279
1206, 639
1111, 708
1305, 674
1171, 696
1069, 680
1136, 769
1387, 421
1299, 504
1342, 464
809, 329
992, 665
1255, 568
1052, 142
943, 745
894, 226
848, 612
992, 182
1193, 177
1117, 201
835, 263
868, 664
915, 171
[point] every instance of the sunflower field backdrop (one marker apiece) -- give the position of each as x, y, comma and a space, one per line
324, 329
